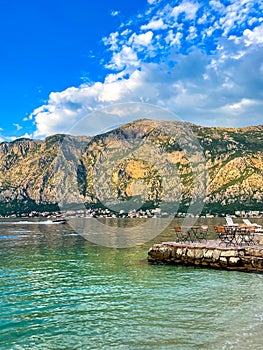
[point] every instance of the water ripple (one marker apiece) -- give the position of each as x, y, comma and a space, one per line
60, 292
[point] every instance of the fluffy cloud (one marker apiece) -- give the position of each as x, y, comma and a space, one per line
66, 108
254, 36
202, 62
187, 8
115, 13
235, 15
173, 39
18, 127
143, 39
154, 24
112, 41
125, 58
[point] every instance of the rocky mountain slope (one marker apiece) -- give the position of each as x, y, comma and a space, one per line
172, 164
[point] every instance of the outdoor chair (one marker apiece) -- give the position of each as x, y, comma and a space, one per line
246, 235
226, 235
182, 236
229, 221
203, 231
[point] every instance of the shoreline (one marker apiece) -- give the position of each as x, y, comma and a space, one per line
140, 213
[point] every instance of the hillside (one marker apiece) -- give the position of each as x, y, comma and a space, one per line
141, 163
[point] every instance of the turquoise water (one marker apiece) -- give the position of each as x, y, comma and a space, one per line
58, 291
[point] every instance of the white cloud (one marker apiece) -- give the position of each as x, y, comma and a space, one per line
124, 59
252, 20
126, 32
192, 33
26, 136
141, 39
112, 41
217, 5
204, 64
65, 108
173, 39
235, 14
155, 24
18, 127
254, 36
239, 106
203, 19
188, 8
13, 138
115, 13
151, 2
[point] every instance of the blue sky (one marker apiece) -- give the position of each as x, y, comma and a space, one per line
61, 60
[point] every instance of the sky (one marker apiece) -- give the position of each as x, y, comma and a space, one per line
62, 60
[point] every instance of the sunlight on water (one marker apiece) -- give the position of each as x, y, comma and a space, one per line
58, 291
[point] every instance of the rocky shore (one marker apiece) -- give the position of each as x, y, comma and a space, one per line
209, 254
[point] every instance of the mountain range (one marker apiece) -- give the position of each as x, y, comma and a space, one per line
146, 163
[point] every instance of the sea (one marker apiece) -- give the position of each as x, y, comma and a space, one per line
58, 291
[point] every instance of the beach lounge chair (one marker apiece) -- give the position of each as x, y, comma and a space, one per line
229, 221
258, 228
248, 223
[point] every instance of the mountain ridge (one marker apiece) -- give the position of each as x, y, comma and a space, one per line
123, 167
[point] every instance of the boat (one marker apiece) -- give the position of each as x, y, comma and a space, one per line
59, 221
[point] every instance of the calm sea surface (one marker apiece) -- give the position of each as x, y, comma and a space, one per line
59, 291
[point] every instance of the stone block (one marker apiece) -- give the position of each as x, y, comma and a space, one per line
215, 265
191, 253
173, 253
216, 254
254, 252
241, 252
233, 261
228, 253
159, 252
208, 254
199, 253
257, 262
223, 261
198, 262
247, 262
259, 237
181, 252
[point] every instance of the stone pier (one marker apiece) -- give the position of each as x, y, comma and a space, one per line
208, 254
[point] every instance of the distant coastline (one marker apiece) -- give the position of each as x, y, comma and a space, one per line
106, 213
